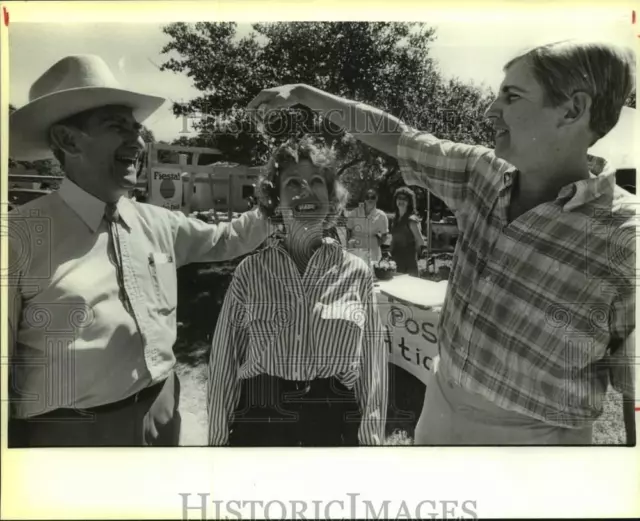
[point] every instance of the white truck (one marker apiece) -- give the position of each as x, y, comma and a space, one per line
183, 184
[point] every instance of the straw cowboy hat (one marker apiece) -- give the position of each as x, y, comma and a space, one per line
74, 84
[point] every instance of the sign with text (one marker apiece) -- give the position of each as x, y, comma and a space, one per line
412, 328
165, 187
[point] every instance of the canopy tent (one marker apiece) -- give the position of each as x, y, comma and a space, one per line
619, 146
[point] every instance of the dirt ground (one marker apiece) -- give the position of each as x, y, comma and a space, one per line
609, 430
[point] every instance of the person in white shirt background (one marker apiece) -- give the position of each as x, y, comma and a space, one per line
367, 228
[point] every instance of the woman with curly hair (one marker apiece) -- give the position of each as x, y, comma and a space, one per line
406, 239
298, 357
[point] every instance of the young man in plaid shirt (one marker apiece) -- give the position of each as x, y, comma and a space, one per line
540, 311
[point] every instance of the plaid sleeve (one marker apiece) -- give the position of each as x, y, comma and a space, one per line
622, 366
622, 356
443, 167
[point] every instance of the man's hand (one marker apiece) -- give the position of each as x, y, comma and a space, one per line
371, 126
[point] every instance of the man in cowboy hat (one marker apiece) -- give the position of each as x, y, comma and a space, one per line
539, 315
92, 274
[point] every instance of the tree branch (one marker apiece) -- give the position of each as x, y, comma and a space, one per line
349, 164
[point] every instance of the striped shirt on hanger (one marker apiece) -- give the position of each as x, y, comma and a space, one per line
320, 325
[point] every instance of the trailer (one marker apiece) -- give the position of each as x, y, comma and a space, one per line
190, 186
182, 184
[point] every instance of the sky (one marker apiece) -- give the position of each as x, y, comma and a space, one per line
471, 50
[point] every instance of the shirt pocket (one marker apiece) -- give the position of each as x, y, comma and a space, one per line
267, 322
339, 332
164, 280
351, 312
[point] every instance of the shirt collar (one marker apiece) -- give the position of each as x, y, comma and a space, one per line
601, 181
508, 177
89, 208
276, 241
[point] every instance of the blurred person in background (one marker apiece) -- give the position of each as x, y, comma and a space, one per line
368, 227
406, 240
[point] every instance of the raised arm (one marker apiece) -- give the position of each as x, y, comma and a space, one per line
440, 166
197, 241
372, 126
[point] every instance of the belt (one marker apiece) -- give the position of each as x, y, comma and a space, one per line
143, 394
286, 385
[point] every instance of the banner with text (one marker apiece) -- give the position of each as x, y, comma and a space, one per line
412, 336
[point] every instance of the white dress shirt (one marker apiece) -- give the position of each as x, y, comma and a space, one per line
72, 342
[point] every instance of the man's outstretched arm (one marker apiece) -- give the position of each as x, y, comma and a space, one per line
370, 125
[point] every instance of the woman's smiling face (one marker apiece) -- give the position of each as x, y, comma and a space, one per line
402, 202
304, 194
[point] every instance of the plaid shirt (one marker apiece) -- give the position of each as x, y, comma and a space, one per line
538, 310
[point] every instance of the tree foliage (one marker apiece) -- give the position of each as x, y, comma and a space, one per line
147, 135
386, 65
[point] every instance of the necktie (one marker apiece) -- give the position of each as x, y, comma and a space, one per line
112, 216
111, 213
